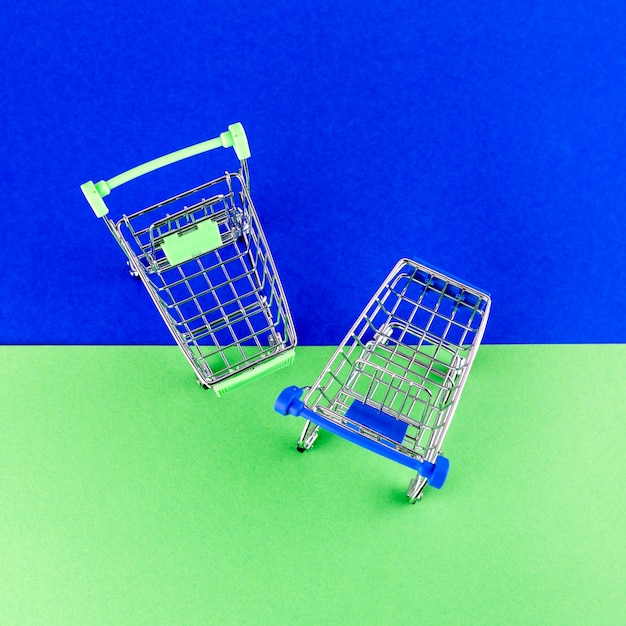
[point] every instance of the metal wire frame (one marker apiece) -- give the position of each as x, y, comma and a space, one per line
225, 308
407, 355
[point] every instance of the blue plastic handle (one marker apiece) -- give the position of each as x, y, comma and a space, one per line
288, 402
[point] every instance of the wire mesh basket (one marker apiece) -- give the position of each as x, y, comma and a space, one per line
206, 264
394, 382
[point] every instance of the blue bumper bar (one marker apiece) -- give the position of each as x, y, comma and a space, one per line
289, 403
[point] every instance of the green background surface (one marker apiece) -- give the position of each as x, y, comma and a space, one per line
129, 495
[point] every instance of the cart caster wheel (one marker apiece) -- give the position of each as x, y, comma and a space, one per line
416, 490
300, 449
202, 384
132, 271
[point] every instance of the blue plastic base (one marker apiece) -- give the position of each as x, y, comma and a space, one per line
288, 402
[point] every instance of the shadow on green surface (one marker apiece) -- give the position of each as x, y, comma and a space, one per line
132, 496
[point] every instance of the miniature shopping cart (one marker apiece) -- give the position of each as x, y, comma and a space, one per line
205, 262
393, 384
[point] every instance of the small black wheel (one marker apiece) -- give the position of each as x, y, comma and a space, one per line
132, 271
300, 449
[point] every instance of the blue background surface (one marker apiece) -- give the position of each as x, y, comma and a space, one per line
487, 139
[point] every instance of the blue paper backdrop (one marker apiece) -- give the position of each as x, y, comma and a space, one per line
486, 138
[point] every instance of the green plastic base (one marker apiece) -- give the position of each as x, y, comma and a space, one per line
234, 382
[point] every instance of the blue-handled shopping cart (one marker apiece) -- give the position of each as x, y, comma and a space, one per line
393, 384
205, 262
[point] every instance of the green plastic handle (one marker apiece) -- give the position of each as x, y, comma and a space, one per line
234, 137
